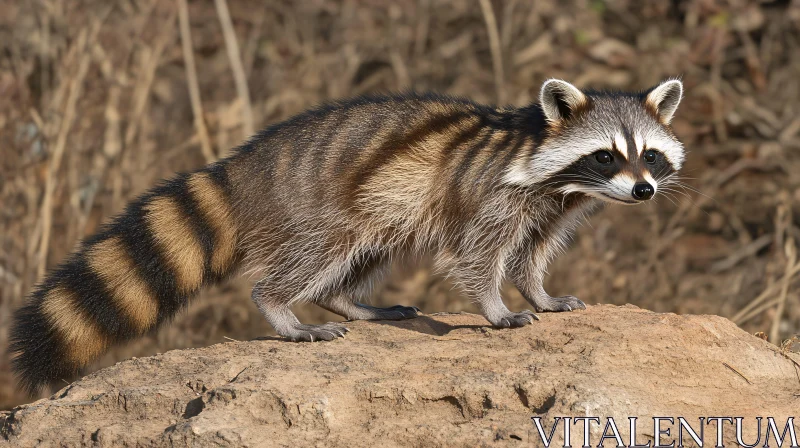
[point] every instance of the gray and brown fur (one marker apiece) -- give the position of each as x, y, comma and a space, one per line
319, 206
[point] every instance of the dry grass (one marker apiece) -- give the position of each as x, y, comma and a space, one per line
95, 106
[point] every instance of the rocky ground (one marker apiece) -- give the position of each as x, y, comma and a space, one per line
436, 380
95, 109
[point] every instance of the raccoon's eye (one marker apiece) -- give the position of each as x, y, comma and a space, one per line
650, 156
604, 157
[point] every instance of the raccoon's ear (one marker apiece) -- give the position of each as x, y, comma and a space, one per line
560, 99
664, 99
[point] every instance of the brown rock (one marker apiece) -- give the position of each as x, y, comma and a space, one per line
436, 380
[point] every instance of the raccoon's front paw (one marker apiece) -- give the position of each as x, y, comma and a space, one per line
556, 304
514, 320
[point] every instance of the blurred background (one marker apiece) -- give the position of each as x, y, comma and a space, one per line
101, 99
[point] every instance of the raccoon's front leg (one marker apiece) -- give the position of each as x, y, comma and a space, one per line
273, 302
526, 270
482, 284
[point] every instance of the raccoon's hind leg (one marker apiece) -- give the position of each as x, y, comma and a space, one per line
343, 306
363, 273
273, 302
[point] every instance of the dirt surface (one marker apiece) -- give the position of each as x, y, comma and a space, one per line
435, 380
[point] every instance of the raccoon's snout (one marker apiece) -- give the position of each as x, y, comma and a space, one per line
643, 191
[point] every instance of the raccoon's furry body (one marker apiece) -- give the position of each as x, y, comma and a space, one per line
317, 208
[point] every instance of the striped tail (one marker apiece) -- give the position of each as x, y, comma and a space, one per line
128, 279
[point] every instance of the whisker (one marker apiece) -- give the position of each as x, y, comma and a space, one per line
669, 198
672, 190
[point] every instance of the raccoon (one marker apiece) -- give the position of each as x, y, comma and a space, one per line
316, 208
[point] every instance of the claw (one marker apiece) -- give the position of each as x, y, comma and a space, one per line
314, 333
532, 314
556, 304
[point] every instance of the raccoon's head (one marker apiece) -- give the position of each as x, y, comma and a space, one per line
617, 147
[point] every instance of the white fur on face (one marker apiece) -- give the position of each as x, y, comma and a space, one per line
557, 155
552, 158
638, 140
617, 190
620, 187
649, 179
622, 145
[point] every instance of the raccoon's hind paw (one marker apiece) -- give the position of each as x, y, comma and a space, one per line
556, 304
314, 333
514, 320
397, 312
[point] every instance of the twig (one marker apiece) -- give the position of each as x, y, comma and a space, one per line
58, 153
191, 79
400, 70
749, 311
753, 62
423, 27
494, 46
746, 251
758, 310
250, 47
235, 57
786, 353
717, 58
791, 253
237, 375
141, 93
506, 33
44, 59
743, 165
112, 145
736, 372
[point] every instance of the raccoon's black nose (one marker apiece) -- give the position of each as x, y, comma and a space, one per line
643, 191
